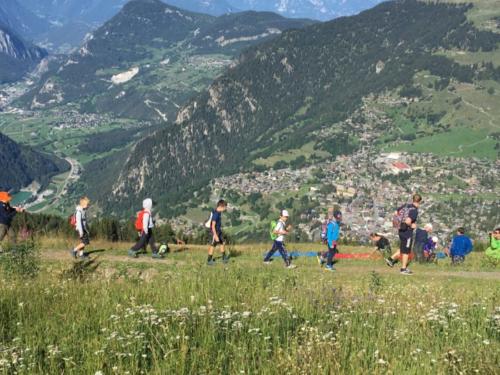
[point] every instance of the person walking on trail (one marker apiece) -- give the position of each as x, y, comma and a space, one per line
460, 247
145, 227
332, 237
214, 224
406, 216
382, 244
7, 214
79, 221
278, 236
421, 238
321, 255
494, 250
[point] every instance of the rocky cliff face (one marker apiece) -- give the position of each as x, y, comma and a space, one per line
17, 56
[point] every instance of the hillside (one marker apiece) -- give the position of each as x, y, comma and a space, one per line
298, 89
17, 57
22, 165
149, 59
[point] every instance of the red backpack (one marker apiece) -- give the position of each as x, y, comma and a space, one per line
139, 220
72, 221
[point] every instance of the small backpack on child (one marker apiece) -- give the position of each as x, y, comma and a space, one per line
272, 228
139, 220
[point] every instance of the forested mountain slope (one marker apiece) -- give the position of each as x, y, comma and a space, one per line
281, 94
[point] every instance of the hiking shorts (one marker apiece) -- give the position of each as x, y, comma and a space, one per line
221, 241
405, 245
85, 239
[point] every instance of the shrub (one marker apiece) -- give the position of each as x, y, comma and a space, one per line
21, 260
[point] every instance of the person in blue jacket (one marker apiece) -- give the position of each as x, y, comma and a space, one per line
332, 237
460, 247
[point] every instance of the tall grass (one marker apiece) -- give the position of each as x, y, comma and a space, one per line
190, 319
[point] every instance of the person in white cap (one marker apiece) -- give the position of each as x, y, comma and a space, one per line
144, 225
281, 230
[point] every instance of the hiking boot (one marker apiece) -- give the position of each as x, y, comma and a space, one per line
389, 262
211, 263
405, 271
157, 256
330, 268
133, 254
73, 253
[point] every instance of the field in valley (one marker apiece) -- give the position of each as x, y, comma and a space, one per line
180, 316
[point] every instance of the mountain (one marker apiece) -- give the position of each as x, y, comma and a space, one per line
88, 11
323, 10
20, 20
22, 165
149, 59
66, 21
17, 57
297, 89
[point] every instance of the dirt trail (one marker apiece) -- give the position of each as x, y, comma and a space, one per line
342, 268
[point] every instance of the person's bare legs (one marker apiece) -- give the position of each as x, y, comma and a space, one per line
404, 261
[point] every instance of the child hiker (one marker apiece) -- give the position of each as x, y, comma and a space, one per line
214, 224
144, 225
79, 221
332, 236
278, 236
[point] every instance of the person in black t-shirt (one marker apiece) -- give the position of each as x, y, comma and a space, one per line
382, 244
217, 237
406, 230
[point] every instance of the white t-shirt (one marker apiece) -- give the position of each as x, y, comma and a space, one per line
280, 226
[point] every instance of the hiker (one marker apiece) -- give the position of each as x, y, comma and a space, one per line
429, 249
79, 221
321, 255
214, 224
494, 250
382, 243
421, 238
278, 236
144, 224
324, 225
460, 247
7, 214
332, 236
406, 216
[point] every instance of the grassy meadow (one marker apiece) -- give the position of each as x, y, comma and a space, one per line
179, 316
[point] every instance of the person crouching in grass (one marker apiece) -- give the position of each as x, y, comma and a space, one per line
382, 244
217, 237
460, 247
493, 251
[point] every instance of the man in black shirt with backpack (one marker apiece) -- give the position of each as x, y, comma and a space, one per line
406, 220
